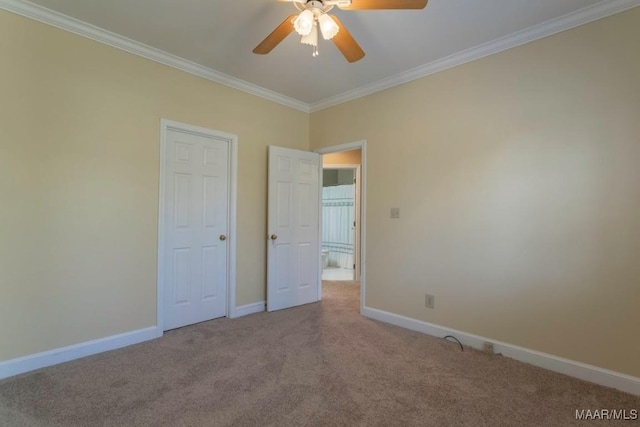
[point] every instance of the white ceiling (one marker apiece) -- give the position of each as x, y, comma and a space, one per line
220, 35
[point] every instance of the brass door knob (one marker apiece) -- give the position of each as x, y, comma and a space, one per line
223, 237
274, 236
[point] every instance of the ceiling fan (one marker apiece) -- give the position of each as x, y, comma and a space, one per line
314, 18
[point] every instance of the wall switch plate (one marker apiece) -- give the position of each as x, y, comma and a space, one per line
395, 213
429, 301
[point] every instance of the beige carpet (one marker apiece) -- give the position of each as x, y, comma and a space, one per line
320, 364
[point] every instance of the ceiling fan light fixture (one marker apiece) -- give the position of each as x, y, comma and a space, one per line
312, 38
303, 24
328, 26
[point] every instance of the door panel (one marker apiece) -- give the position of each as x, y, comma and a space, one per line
196, 215
293, 225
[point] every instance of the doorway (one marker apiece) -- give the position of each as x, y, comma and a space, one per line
351, 156
340, 207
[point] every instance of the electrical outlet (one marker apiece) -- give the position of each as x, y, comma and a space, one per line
429, 301
395, 213
488, 347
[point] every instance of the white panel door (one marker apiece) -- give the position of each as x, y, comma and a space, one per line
293, 255
195, 228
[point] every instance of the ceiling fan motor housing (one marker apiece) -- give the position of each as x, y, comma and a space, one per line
318, 6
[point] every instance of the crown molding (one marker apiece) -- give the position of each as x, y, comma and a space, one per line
58, 20
580, 17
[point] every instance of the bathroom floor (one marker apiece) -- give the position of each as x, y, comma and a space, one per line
337, 273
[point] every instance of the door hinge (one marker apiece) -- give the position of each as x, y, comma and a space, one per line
354, 266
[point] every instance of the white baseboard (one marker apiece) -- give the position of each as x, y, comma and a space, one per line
244, 310
32, 362
590, 373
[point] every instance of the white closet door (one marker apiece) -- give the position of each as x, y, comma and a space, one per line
196, 228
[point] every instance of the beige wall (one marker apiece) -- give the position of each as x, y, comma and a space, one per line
79, 154
351, 157
518, 181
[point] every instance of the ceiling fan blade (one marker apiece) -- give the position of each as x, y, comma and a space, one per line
273, 39
346, 43
385, 4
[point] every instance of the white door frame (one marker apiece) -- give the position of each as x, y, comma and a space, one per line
362, 145
356, 250
165, 126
